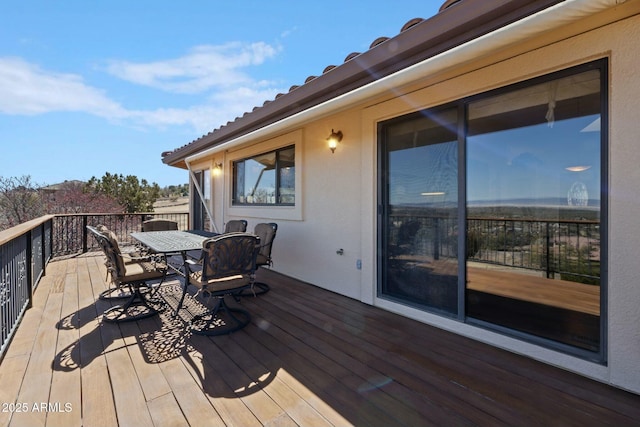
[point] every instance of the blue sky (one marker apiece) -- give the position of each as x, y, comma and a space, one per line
88, 87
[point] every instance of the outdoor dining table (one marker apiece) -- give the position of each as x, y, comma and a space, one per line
173, 242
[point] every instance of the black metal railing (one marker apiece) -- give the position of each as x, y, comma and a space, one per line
70, 231
26, 249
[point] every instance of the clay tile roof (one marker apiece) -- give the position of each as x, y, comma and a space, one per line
418, 40
351, 56
378, 41
411, 23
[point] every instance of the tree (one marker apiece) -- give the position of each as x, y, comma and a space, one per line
175, 191
20, 201
76, 197
132, 194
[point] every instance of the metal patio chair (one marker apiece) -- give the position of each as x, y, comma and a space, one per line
236, 226
227, 268
267, 233
128, 276
159, 224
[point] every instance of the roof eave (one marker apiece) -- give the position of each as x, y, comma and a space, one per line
458, 24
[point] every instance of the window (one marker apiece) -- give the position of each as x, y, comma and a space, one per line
201, 185
265, 179
491, 210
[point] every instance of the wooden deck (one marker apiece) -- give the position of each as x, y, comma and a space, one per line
309, 358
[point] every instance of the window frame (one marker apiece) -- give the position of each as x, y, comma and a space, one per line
289, 212
277, 168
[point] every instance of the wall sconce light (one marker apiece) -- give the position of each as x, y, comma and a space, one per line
333, 140
217, 169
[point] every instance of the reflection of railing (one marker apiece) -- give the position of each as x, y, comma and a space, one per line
26, 249
567, 249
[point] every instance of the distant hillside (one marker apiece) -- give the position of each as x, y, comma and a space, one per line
170, 205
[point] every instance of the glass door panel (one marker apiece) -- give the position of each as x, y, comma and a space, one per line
533, 210
419, 261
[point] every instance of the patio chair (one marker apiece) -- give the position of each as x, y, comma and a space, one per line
105, 237
159, 224
267, 233
128, 276
236, 226
228, 267
132, 275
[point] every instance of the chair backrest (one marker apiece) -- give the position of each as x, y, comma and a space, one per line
266, 232
159, 224
229, 255
235, 226
107, 241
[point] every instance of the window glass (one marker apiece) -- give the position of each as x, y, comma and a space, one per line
531, 182
533, 210
201, 184
287, 170
265, 179
420, 234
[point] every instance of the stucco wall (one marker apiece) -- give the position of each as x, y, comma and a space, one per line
338, 208
618, 42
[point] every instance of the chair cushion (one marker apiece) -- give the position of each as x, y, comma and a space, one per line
222, 284
141, 271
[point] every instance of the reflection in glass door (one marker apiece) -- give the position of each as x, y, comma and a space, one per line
419, 229
533, 210
491, 211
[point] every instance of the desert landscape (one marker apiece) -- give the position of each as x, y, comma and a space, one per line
171, 205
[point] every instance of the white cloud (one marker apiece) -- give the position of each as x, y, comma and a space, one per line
202, 69
222, 107
26, 89
213, 72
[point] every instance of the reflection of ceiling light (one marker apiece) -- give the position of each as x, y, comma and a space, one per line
433, 193
578, 168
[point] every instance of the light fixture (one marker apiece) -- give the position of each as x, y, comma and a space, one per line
580, 168
217, 169
333, 140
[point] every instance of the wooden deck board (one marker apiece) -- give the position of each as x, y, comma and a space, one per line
309, 357
66, 388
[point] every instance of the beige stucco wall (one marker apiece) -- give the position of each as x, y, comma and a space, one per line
338, 203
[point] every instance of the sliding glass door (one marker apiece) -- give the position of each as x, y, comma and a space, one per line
510, 184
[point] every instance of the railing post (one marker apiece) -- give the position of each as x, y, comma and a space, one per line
85, 246
43, 248
29, 266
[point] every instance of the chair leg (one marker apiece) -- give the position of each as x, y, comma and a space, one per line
131, 309
117, 292
221, 320
258, 288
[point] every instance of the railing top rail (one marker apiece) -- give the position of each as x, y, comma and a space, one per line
13, 232
121, 214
